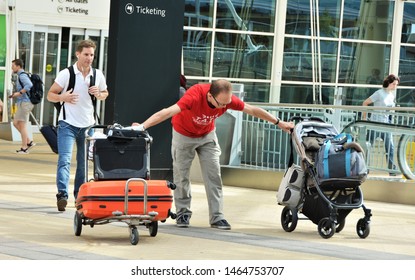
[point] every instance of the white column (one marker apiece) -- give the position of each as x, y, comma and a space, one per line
278, 54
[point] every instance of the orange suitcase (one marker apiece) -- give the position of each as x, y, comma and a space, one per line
135, 201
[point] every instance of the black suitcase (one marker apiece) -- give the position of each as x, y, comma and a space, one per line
122, 155
51, 135
50, 132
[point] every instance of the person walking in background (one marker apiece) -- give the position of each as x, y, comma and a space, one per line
24, 106
183, 86
384, 97
76, 115
375, 78
193, 119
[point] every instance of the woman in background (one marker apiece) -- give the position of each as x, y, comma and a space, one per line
384, 97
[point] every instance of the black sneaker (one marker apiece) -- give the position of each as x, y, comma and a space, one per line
62, 201
183, 221
222, 224
22, 151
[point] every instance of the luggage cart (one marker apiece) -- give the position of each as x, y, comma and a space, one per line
129, 201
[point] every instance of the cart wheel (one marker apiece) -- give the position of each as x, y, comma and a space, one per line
77, 224
172, 215
289, 218
362, 228
326, 228
133, 235
340, 226
153, 228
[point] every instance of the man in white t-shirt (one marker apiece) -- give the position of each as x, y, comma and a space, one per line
384, 97
76, 115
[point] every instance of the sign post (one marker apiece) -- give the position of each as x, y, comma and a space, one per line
144, 58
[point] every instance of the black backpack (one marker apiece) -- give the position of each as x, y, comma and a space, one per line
36, 92
71, 85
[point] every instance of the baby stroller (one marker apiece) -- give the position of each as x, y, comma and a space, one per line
325, 187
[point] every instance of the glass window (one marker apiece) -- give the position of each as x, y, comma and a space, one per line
194, 82
97, 41
407, 54
198, 13
296, 94
105, 62
297, 62
356, 96
51, 72
242, 56
254, 15
25, 38
407, 66
38, 53
358, 60
196, 52
405, 97
328, 56
408, 24
368, 20
298, 17
256, 92
75, 41
306, 95
298, 58
38, 65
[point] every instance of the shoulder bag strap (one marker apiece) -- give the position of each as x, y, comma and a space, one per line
71, 85
93, 98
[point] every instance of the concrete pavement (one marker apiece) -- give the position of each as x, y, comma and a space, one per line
31, 228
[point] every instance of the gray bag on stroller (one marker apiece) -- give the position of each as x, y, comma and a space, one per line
289, 191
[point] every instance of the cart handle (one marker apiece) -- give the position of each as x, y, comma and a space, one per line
110, 126
126, 194
301, 119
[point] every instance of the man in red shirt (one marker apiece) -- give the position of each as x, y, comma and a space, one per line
193, 119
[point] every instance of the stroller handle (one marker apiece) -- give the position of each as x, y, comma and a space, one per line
301, 119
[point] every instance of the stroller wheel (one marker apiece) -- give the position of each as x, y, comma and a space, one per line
326, 228
340, 226
289, 218
362, 228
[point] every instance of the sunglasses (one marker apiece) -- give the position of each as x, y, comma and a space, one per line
219, 104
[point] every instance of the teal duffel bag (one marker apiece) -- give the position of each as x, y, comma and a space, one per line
340, 161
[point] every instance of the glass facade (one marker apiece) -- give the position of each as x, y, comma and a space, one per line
325, 45
286, 51
232, 39
3, 55
407, 56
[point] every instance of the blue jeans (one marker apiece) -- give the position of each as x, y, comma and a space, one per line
67, 136
389, 146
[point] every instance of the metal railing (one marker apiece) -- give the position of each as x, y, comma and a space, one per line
265, 146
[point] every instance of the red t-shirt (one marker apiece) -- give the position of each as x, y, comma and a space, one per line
196, 118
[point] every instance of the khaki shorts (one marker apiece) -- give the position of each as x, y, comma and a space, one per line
23, 111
